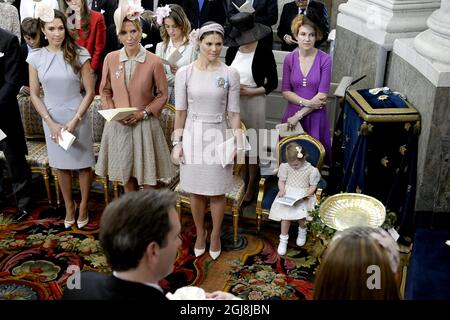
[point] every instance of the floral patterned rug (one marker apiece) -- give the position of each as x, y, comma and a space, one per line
267, 276
38, 255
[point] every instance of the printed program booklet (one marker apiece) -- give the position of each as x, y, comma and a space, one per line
290, 200
117, 113
173, 58
225, 150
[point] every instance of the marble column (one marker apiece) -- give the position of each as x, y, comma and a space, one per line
366, 30
420, 68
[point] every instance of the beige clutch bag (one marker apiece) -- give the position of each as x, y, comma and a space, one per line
283, 130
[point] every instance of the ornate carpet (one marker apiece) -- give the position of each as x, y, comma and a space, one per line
38, 255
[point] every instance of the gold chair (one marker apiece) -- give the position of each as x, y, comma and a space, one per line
268, 186
234, 198
167, 121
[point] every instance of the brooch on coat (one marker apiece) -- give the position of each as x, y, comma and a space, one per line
1, 54
119, 71
221, 82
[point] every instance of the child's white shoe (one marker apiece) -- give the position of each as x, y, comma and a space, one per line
282, 247
301, 238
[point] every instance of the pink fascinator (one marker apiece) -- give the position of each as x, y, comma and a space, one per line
161, 13
130, 9
134, 9
193, 37
45, 12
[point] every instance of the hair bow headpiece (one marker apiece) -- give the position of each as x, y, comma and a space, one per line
299, 152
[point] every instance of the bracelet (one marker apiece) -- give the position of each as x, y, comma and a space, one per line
300, 102
79, 117
175, 142
46, 117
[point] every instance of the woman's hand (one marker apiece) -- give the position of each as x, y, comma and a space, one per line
317, 102
288, 39
177, 154
70, 126
55, 131
247, 92
173, 68
281, 193
292, 122
133, 119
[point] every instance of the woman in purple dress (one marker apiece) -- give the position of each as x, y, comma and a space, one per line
306, 81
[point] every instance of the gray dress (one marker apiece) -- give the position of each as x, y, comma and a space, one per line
62, 99
207, 96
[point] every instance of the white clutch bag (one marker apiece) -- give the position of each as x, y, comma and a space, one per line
283, 130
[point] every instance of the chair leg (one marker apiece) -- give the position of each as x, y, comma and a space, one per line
116, 189
258, 221
47, 186
106, 190
58, 198
235, 224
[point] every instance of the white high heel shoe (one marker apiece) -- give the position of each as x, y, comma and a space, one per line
214, 254
69, 223
199, 252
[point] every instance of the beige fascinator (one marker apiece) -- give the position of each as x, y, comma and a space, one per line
45, 12
130, 9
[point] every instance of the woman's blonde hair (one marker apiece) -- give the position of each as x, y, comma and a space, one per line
181, 21
348, 264
302, 20
135, 22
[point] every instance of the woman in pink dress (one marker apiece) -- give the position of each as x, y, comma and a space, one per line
207, 103
306, 82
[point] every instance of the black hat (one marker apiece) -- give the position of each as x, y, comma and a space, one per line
245, 30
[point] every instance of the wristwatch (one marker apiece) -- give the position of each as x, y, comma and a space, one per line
145, 115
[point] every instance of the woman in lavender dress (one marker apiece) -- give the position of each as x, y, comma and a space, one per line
306, 81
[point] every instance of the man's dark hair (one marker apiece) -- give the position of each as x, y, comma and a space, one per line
131, 223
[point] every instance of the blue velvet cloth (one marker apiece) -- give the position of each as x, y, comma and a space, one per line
377, 158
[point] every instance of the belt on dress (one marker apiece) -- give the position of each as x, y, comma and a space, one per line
206, 117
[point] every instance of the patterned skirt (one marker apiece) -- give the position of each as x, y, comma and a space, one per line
140, 152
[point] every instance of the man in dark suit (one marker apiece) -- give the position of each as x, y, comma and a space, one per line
13, 146
266, 13
201, 11
314, 10
139, 234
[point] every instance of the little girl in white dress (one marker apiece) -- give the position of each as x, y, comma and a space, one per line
297, 179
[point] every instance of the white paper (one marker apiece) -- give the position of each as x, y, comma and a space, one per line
246, 7
117, 114
340, 90
447, 242
67, 139
394, 234
173, 58
2, 135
